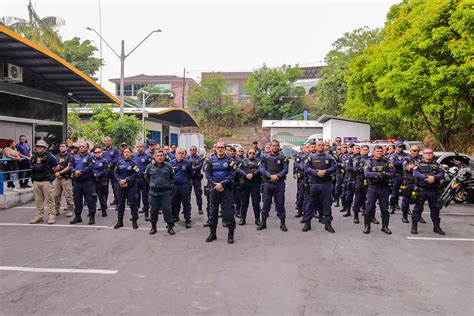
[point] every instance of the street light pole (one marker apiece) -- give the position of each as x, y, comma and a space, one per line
144, 98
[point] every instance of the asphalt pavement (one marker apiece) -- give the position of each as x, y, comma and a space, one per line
67, 269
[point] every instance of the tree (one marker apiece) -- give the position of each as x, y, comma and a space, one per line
331, 91
272, 91
421, 71
81, 55
75, 129
42, 31
215, 109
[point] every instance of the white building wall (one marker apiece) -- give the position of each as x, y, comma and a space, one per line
155, 126
334, 128
175, 130
297, 131
327, 128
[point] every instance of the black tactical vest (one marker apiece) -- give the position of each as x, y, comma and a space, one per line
274, 164
39, 170
428, 169
378, 166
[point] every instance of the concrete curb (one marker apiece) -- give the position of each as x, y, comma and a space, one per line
12, 199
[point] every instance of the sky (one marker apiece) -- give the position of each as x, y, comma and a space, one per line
207, 36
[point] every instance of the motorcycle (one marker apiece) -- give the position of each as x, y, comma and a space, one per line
460, 185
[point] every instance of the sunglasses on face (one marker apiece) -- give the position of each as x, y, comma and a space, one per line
415, 150
97, 152
251, 153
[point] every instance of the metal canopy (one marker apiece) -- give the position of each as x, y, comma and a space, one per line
43, 68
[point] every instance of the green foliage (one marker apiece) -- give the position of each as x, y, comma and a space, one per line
227, 132
331, 91
42, 31
273, 93
75, 129
420, 75
81, 55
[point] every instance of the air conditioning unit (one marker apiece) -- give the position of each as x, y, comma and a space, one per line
12, 73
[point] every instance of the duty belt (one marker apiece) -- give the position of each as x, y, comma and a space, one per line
156, 189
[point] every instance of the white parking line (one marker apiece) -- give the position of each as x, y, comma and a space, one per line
74, 226
53, 270
434, 238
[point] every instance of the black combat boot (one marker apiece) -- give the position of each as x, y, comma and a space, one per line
230, 236
367, 220
91, 218
200, 209
321, 218
299, 213
119, 222
437, 229
405, 218
282, 225
302, 220
337, 202
134, 223
348, 212
104, 212
385, 221
77, 219
153, 229
147, 215
212, 236
257, 218
188, 224
243, 220
414, 228
374, 220
307, 226
356, 217
263, 224
169, 226
422, 220
329, 228
238, 214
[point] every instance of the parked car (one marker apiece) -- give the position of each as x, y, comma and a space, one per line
235, 145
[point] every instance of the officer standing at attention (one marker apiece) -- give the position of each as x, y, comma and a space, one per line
299, 175
349, 178
397, 161
160, 176
111, 154
408, 182
101, 177
258, 151
196, 162
63, 182
319, 167
249, 187
183, 172
360, 181
142, 160
43, 167
428, 175
274, 168
151, 148
125, 174
172, 153
83, 183
378, 171
239, 157
220, 171
339, 174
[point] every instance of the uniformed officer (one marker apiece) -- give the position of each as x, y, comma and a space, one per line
397, 160
150, 151
126, 172
111, 154
160, 176
142, 160
172, 153
360, 181
258, 151
429, 176
378, 171
239, 156
43, 167
83, 183
250, 183
299, 175
274, 168
346, 161
196, 162
183, 172
319, 168
408, 182
349, 181
63, 182
339, 174
220, 172
101, 179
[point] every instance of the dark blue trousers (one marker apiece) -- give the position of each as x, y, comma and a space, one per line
421, 198
102, 190
161, 199
406, 196
197, 190
339, 182
348, 191
223, 199
130, 194
277, 192
143, 193
300, 194
114, 184
181, 195
81, 190
359, 196
396, 183
319, 199
378, 193
250, 190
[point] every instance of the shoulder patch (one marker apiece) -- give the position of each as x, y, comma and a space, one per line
135, 168
232, 163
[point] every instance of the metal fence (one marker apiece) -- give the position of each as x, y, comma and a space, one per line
11, 175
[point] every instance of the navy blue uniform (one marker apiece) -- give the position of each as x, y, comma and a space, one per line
250, 188
339, 177
360, 183
378, 173
236, 186
160, 179
183, 172
408, 184
426, 191
221, 170
197, 163
127, 170
142, 161
112, 154
397, 161
320, 187
101, 177
258, 153
274, 164
84, 186
299, 174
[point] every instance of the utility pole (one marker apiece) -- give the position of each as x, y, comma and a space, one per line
184, 85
